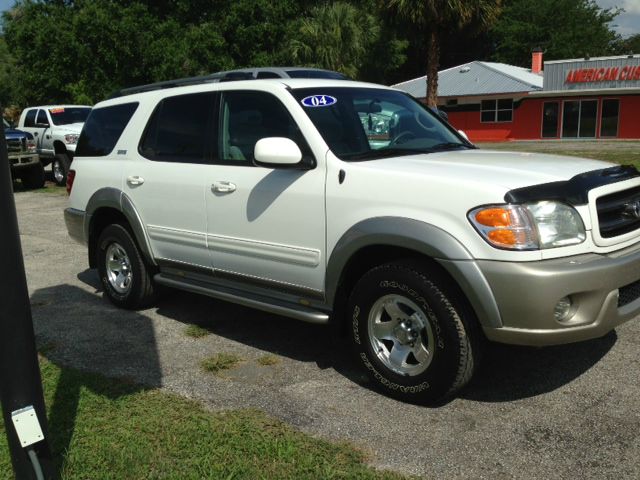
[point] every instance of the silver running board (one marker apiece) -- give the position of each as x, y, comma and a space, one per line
299, 312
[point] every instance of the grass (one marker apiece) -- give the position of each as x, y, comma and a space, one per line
220, 362
196, 331
51, 188
622, 152
267, 360
109, 429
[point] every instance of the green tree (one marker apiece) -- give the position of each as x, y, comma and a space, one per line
629, 45
562, 28
82, 51
336, 36
7, 74
431, 19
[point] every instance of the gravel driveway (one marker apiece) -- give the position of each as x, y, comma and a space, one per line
561, 412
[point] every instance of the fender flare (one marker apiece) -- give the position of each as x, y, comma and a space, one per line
425, 239
116, 199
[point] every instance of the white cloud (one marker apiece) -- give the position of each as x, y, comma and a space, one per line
627, 23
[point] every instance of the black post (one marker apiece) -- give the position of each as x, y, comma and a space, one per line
20, 382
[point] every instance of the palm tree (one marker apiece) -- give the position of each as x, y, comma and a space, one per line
434, 17
336, 36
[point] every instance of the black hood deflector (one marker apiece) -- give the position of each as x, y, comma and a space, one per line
574, 191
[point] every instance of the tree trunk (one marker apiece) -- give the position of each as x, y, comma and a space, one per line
433, 62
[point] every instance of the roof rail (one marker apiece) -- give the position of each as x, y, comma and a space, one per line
182, 82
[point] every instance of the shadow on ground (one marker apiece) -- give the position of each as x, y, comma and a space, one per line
507, 373
77, 329
511, 373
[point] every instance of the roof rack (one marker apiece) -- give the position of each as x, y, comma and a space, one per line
182, 82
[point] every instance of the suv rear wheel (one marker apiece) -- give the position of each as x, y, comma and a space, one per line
411, 333
124, 275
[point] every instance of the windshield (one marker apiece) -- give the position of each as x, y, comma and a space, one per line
369, 123
68, 115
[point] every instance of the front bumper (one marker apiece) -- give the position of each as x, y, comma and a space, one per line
23, 160
526, 294
75, 224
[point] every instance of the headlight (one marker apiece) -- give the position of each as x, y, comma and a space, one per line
31, 145
530, 226
71, 138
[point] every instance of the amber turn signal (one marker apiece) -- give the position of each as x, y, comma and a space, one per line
494, 217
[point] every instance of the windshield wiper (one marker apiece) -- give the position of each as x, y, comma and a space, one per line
448, 146
381, 153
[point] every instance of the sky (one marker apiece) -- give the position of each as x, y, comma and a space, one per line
626, 24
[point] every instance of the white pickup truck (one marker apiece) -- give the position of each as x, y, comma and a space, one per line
352, 204
56, 129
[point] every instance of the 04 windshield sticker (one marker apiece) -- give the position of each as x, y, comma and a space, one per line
319, 101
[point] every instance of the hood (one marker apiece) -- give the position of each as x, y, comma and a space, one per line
509, 170
12, 133
70, 128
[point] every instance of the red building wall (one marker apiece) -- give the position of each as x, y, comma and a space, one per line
527, 120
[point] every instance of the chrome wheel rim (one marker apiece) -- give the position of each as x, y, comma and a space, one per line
400, 335
58, 173
118, 267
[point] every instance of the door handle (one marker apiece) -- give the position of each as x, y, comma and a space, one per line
134, 180
223, 187
35, 134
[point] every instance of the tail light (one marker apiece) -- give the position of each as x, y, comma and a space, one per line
71, 176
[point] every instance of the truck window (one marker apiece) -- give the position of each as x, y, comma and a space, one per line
42, 118
30, 119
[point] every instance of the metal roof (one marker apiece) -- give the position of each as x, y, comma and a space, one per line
477, 78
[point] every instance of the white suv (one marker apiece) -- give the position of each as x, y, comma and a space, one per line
352, 204
56, 129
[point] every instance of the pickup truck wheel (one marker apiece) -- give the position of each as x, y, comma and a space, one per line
124, 275
414, 338
60, 168
33, 177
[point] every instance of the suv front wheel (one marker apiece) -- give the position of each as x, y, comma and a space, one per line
60, 168
412, 334
124, 275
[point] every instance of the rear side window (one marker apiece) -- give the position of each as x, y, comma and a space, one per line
103, 128
180, 129
30, 119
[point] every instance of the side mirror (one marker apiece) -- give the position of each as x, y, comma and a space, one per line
464, 135
277, 152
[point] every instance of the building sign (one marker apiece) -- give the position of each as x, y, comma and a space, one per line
609, 74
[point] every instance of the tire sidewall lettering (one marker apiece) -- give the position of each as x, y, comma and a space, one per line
389, 384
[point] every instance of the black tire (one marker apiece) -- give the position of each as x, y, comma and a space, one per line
33, 177
139, 291
60, 167
430, 313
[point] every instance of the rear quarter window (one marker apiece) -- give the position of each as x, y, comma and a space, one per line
103, 128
